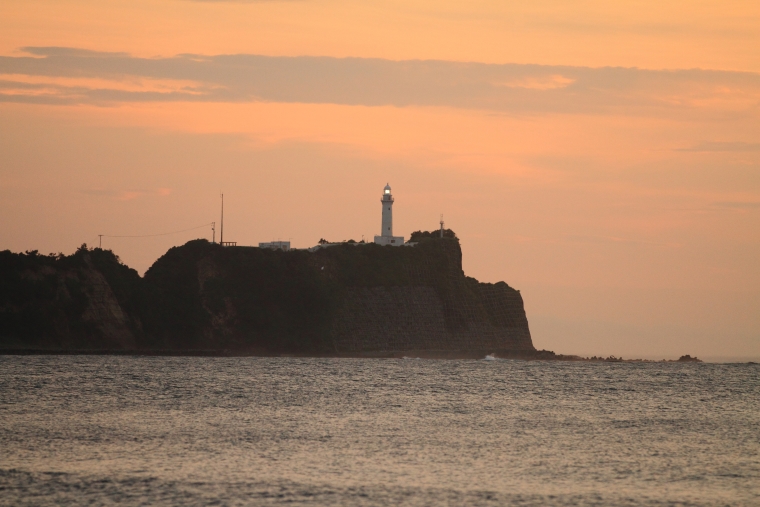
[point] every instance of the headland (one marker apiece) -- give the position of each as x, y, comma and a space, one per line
346, 300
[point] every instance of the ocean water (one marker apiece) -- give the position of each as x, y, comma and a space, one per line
268, 431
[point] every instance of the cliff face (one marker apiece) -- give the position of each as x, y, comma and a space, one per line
239, 298
81, 301
344, 299
418, 299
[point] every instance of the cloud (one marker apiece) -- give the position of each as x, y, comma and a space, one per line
711, 146
738, 205
576, 238
48, 51
539, 82
127, 195
509, 88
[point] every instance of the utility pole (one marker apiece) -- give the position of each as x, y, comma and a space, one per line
100, 241
213, 232
221, 237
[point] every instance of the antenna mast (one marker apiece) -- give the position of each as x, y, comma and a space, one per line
221, 237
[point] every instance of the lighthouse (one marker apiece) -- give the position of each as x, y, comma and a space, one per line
386, 236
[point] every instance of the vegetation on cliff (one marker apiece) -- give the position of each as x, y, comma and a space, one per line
419, 235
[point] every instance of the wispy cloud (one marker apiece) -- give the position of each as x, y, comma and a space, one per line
738, 205
574, 238
538, 82
709, 146
127, 195
55, 75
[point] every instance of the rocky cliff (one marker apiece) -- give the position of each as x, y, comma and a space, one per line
351, 299
87, 300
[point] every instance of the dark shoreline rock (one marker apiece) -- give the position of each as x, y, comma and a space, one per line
539, 355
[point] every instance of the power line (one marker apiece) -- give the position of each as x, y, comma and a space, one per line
153, 235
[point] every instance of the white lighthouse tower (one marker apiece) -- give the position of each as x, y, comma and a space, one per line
386, 236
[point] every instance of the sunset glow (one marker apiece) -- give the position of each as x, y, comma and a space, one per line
603, 158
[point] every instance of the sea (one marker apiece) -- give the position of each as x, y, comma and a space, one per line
106, 430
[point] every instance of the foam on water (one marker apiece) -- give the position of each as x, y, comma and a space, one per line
192, 431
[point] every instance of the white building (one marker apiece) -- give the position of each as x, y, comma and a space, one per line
276, 245
386, 236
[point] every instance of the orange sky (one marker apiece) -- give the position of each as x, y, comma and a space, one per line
589, 166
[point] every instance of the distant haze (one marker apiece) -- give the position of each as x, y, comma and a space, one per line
602, 158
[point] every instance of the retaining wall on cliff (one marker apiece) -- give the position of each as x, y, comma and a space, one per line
434, 307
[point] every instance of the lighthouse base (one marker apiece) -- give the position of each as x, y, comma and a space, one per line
389, 240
